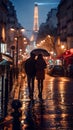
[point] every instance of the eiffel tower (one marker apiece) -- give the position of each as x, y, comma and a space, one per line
35, 24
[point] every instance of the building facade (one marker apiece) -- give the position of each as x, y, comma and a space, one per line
3, 18
65, 25
51, 18
8, 20
12, 22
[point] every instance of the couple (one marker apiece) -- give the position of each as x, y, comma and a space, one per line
35, 68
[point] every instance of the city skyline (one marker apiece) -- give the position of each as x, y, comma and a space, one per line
25, 12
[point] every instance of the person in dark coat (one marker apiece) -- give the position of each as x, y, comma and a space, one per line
40, 73
30, 70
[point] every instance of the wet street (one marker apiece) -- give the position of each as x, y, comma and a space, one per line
54, 112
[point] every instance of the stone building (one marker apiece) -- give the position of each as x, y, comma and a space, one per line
51, 18
3, 18
49, 27
12, 22
8, 18
65, 25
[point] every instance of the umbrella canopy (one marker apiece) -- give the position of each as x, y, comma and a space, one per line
40, 51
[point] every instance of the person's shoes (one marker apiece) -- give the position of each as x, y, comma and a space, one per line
31, 97
40, 96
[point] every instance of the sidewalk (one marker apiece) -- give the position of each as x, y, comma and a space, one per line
19, 91
13, 95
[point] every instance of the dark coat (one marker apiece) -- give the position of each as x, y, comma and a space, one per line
40, 68
30, 67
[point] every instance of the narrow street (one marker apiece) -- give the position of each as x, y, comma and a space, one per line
54, 112
42, 27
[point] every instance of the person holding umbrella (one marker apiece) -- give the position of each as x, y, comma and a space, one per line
30, 70
40, 73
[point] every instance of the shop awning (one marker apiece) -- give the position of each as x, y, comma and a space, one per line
7, 57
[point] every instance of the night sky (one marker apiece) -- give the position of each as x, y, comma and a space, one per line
25, 10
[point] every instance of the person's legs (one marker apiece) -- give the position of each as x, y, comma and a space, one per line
32, 89
39, 90
41, 87
29, 84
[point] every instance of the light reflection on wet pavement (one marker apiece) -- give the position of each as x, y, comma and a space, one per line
54, 112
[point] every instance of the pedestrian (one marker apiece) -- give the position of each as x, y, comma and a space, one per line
40, 73
30, 71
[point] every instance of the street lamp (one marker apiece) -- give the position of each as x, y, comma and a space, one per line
18, 34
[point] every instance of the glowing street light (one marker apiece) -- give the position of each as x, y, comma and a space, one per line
18, 35
62, 46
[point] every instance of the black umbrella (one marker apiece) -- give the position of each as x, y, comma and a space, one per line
40, 51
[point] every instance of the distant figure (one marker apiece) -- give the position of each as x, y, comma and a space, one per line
40, 73
16, 114
31, 72
16, 120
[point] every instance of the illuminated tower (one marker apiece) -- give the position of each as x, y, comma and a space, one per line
35, 24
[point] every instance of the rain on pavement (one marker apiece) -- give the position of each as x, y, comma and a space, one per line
54, 112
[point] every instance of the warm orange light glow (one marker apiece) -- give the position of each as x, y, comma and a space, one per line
3, 34
25, 42
24, 38
71, 50
15, 38
22, 30
49, 36
62, 46
12, 29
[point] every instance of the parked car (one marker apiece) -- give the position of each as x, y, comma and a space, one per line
49, 68
57, 70
70, 70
